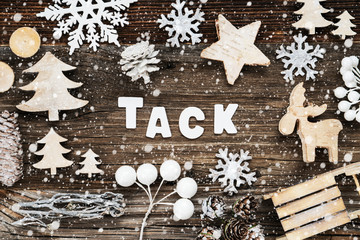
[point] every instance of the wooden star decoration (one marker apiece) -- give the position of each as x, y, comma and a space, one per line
235, 48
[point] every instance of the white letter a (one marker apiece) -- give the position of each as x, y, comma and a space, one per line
158, 113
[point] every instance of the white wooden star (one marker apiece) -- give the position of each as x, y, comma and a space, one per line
235, 48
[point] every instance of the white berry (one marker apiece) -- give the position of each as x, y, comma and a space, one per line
125, 176
346, 63
350, 84
147, 173
353, 96
183, 209
170, 170
358, 117
344, 106
340, 92
348, 76
343, 70
350, 115
355, 61
186, 187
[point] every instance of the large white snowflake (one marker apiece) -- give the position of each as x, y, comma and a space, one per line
180, 24
302, 58
234, 169
87, 16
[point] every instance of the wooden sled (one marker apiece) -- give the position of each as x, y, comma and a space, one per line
314, 206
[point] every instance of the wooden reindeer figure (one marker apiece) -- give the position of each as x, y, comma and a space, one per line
322, 134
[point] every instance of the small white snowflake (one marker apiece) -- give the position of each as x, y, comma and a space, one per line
302, 58
233, 168
139, 60
87, 15
180, 24
351, 77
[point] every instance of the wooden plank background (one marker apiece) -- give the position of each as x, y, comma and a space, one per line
184, 80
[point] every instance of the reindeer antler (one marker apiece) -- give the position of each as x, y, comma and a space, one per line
297, 96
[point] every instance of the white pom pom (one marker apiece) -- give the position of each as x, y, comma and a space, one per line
344, 106
186, 187
170, 170
346, 63
351, 84
340, 92
147, 174
358, 117
355, 61
125, 176
353, 96
348, 76
183, 209
350, 115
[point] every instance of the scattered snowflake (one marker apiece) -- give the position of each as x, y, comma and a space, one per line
351, 77
139, 60
234, 168
180, 24
88, 16
302, 58
257, 233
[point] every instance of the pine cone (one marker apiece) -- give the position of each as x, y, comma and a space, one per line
245, 207
236, 229
139, 60
10, 149
209, 233
213, 207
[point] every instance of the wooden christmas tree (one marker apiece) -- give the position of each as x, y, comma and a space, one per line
311, 16
52, 153
90, 164
51, 88
344, 25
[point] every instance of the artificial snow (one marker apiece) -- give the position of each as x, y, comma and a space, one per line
87, 16
301, 57
180, 25
234, 170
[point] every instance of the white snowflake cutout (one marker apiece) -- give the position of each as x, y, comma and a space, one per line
351, 77
234, 170
180, 24
301, 58
85, 16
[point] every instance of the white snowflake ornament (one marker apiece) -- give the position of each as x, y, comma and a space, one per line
85, 17
139, 60
234, 170
182, 24
301, 57
351, 77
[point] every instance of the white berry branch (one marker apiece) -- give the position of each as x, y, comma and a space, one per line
170, 171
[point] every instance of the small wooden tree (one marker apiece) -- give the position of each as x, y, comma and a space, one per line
311, 16
51, 88
344, 25
52, 153
90, 164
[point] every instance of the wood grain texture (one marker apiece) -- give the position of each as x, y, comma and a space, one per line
184, 80
276, 17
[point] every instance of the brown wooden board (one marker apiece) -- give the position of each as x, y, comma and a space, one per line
184, 80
